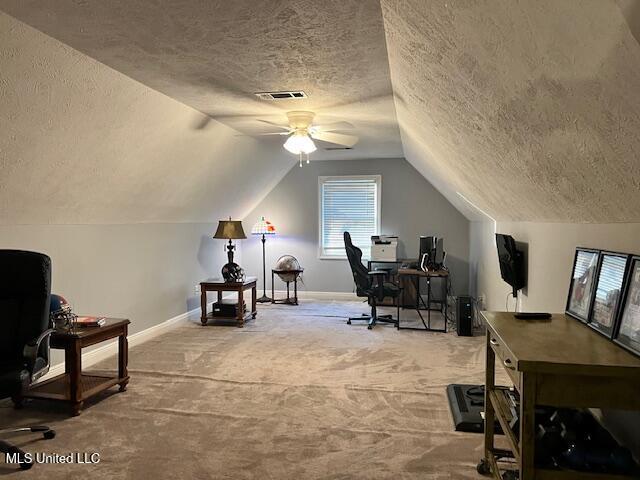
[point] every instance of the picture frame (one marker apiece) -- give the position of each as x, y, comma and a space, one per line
627, 331
582, 283
609, 284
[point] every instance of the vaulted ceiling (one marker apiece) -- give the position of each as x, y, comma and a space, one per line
527, 110
530, 110
214, 54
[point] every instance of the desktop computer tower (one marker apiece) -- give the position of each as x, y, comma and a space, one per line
465, 316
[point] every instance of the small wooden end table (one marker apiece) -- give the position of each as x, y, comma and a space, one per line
74, 386
220, 286
287, 301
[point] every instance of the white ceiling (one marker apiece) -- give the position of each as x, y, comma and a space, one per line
213, 55
83, 144
528, 110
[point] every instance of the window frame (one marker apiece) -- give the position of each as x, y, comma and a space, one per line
378, 208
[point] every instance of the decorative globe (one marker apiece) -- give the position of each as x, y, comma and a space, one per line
288, 262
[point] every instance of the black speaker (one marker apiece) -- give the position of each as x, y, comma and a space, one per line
427, 245
465, 316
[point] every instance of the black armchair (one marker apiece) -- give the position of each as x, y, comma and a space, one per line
25, 293
370, 285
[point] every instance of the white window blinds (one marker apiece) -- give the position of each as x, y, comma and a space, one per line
348, 204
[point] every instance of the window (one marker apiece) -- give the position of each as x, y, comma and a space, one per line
348, 204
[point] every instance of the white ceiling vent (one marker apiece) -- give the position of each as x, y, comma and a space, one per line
281, 95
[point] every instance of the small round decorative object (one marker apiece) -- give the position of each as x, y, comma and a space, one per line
232, 272
288, 262
60, 312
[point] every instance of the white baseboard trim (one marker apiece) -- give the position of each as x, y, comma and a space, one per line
310, 295
110, 349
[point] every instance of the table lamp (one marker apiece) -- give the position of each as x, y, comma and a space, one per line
231, 230
263, 227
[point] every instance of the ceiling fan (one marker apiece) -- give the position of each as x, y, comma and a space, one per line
301, 132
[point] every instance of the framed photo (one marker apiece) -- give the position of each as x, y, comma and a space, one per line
581, 289
628, 329
612, 268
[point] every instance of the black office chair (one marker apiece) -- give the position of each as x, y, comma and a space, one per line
370, 285
25, 292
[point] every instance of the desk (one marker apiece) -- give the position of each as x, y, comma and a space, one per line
558, 363
220, 286
75, 386
416, 275
407, 299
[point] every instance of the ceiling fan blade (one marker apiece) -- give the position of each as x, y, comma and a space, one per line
201, 124
330, 127
274, 124
337, 138
261, 134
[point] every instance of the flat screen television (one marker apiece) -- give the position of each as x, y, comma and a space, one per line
511, 262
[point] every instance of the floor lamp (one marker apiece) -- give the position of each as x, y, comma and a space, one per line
263, 227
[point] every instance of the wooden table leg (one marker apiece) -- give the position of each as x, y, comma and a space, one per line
240, 315
295, 290
73, 364
273, 290
489, 414
203, 305
527, 426
254, 295
219, 296
123, 358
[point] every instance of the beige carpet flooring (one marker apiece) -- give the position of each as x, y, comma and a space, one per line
296, 394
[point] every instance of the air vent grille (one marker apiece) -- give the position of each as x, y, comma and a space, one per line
338, 148
293, 95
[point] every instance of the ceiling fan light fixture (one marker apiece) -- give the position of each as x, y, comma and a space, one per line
299, 143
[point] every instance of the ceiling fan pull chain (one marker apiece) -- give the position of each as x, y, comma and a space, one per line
300, 158
307, 159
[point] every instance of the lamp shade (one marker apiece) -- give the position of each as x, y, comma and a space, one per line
263, 227
230, 230
300, 142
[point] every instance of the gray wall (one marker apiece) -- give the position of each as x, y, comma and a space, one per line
551, 247
411, 207
144, 272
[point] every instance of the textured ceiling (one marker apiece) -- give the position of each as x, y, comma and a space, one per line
528, 110
81, 143
212, 55
531, 110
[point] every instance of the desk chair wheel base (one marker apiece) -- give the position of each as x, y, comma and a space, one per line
8, 448
364, 316
483, 467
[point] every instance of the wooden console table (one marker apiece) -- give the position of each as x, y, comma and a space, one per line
557, 363
75, 386
220, 286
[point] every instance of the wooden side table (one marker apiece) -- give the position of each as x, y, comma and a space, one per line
287, 301
220, 286
74, 386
